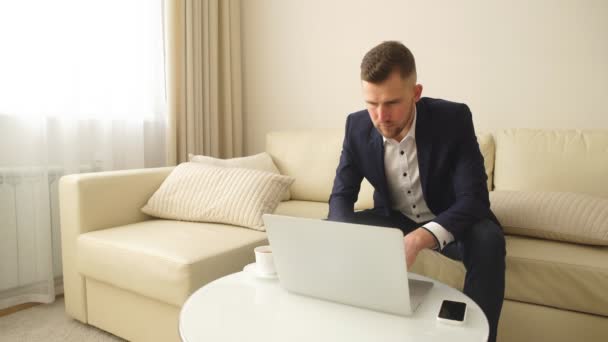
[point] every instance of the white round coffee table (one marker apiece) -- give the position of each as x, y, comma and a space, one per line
242, 307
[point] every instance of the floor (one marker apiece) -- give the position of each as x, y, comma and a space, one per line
48, 323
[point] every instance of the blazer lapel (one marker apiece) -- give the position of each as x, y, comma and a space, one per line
424, 143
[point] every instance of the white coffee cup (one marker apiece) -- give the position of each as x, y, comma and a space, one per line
264, 262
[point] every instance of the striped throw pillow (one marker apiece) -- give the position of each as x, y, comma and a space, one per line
204, 193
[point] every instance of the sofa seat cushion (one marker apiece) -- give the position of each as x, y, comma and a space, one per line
556, 274
308, 209
165, 260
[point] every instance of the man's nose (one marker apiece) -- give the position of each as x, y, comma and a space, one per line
383, 113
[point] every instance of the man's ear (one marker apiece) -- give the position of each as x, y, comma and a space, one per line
417, 92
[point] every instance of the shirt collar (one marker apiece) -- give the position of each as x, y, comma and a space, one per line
411, 133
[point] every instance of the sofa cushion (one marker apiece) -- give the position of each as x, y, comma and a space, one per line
261, 161
314, 172
565, 161
558, 274
550, 273
166, 260
308, 209
204, 193
562, 216
487, 147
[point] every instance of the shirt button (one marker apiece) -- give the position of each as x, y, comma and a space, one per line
402, 152
405, 174
414, 206
409, 191
418, 216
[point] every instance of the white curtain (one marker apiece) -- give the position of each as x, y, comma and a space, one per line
82, 88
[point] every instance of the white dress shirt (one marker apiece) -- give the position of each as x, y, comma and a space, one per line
403, 177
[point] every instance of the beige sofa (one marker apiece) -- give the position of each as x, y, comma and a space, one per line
129, 274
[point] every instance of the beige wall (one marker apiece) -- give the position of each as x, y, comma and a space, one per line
540, 63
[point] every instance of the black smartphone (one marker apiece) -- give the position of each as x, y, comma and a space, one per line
452, 312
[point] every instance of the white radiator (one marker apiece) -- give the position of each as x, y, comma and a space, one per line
29, 219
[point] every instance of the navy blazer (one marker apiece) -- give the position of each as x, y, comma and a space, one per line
452, 173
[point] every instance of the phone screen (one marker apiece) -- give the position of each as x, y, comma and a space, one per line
452, 310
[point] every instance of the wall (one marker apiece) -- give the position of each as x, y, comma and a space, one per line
518, 63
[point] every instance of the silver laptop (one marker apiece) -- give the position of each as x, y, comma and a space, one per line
352, 264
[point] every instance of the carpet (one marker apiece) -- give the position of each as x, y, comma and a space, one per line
49, 323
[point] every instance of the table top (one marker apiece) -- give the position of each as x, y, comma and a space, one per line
244, 307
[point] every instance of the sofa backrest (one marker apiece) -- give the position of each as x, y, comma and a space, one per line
552, 160
311, 157
488, 149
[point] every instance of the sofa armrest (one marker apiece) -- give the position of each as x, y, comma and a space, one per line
93, 201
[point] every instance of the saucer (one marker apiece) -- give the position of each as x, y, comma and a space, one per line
251, 269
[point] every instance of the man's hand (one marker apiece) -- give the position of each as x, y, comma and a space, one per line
416, 241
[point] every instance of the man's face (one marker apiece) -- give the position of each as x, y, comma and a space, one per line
391, 104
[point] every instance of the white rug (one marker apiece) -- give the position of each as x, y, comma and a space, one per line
49, 323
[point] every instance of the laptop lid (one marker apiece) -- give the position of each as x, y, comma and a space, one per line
352, 264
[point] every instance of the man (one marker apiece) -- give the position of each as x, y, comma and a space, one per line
422, 157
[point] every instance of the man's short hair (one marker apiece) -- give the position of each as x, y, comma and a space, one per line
379, 62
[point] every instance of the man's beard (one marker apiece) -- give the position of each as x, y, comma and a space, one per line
392, 131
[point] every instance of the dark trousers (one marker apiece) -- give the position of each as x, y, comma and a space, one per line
481, 249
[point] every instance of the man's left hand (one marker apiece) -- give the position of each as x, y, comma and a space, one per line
416, 241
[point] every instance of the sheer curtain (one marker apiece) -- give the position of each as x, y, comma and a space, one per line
82, 88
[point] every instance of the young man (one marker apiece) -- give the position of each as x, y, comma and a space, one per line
422, 157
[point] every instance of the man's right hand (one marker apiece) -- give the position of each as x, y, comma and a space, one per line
416, 241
